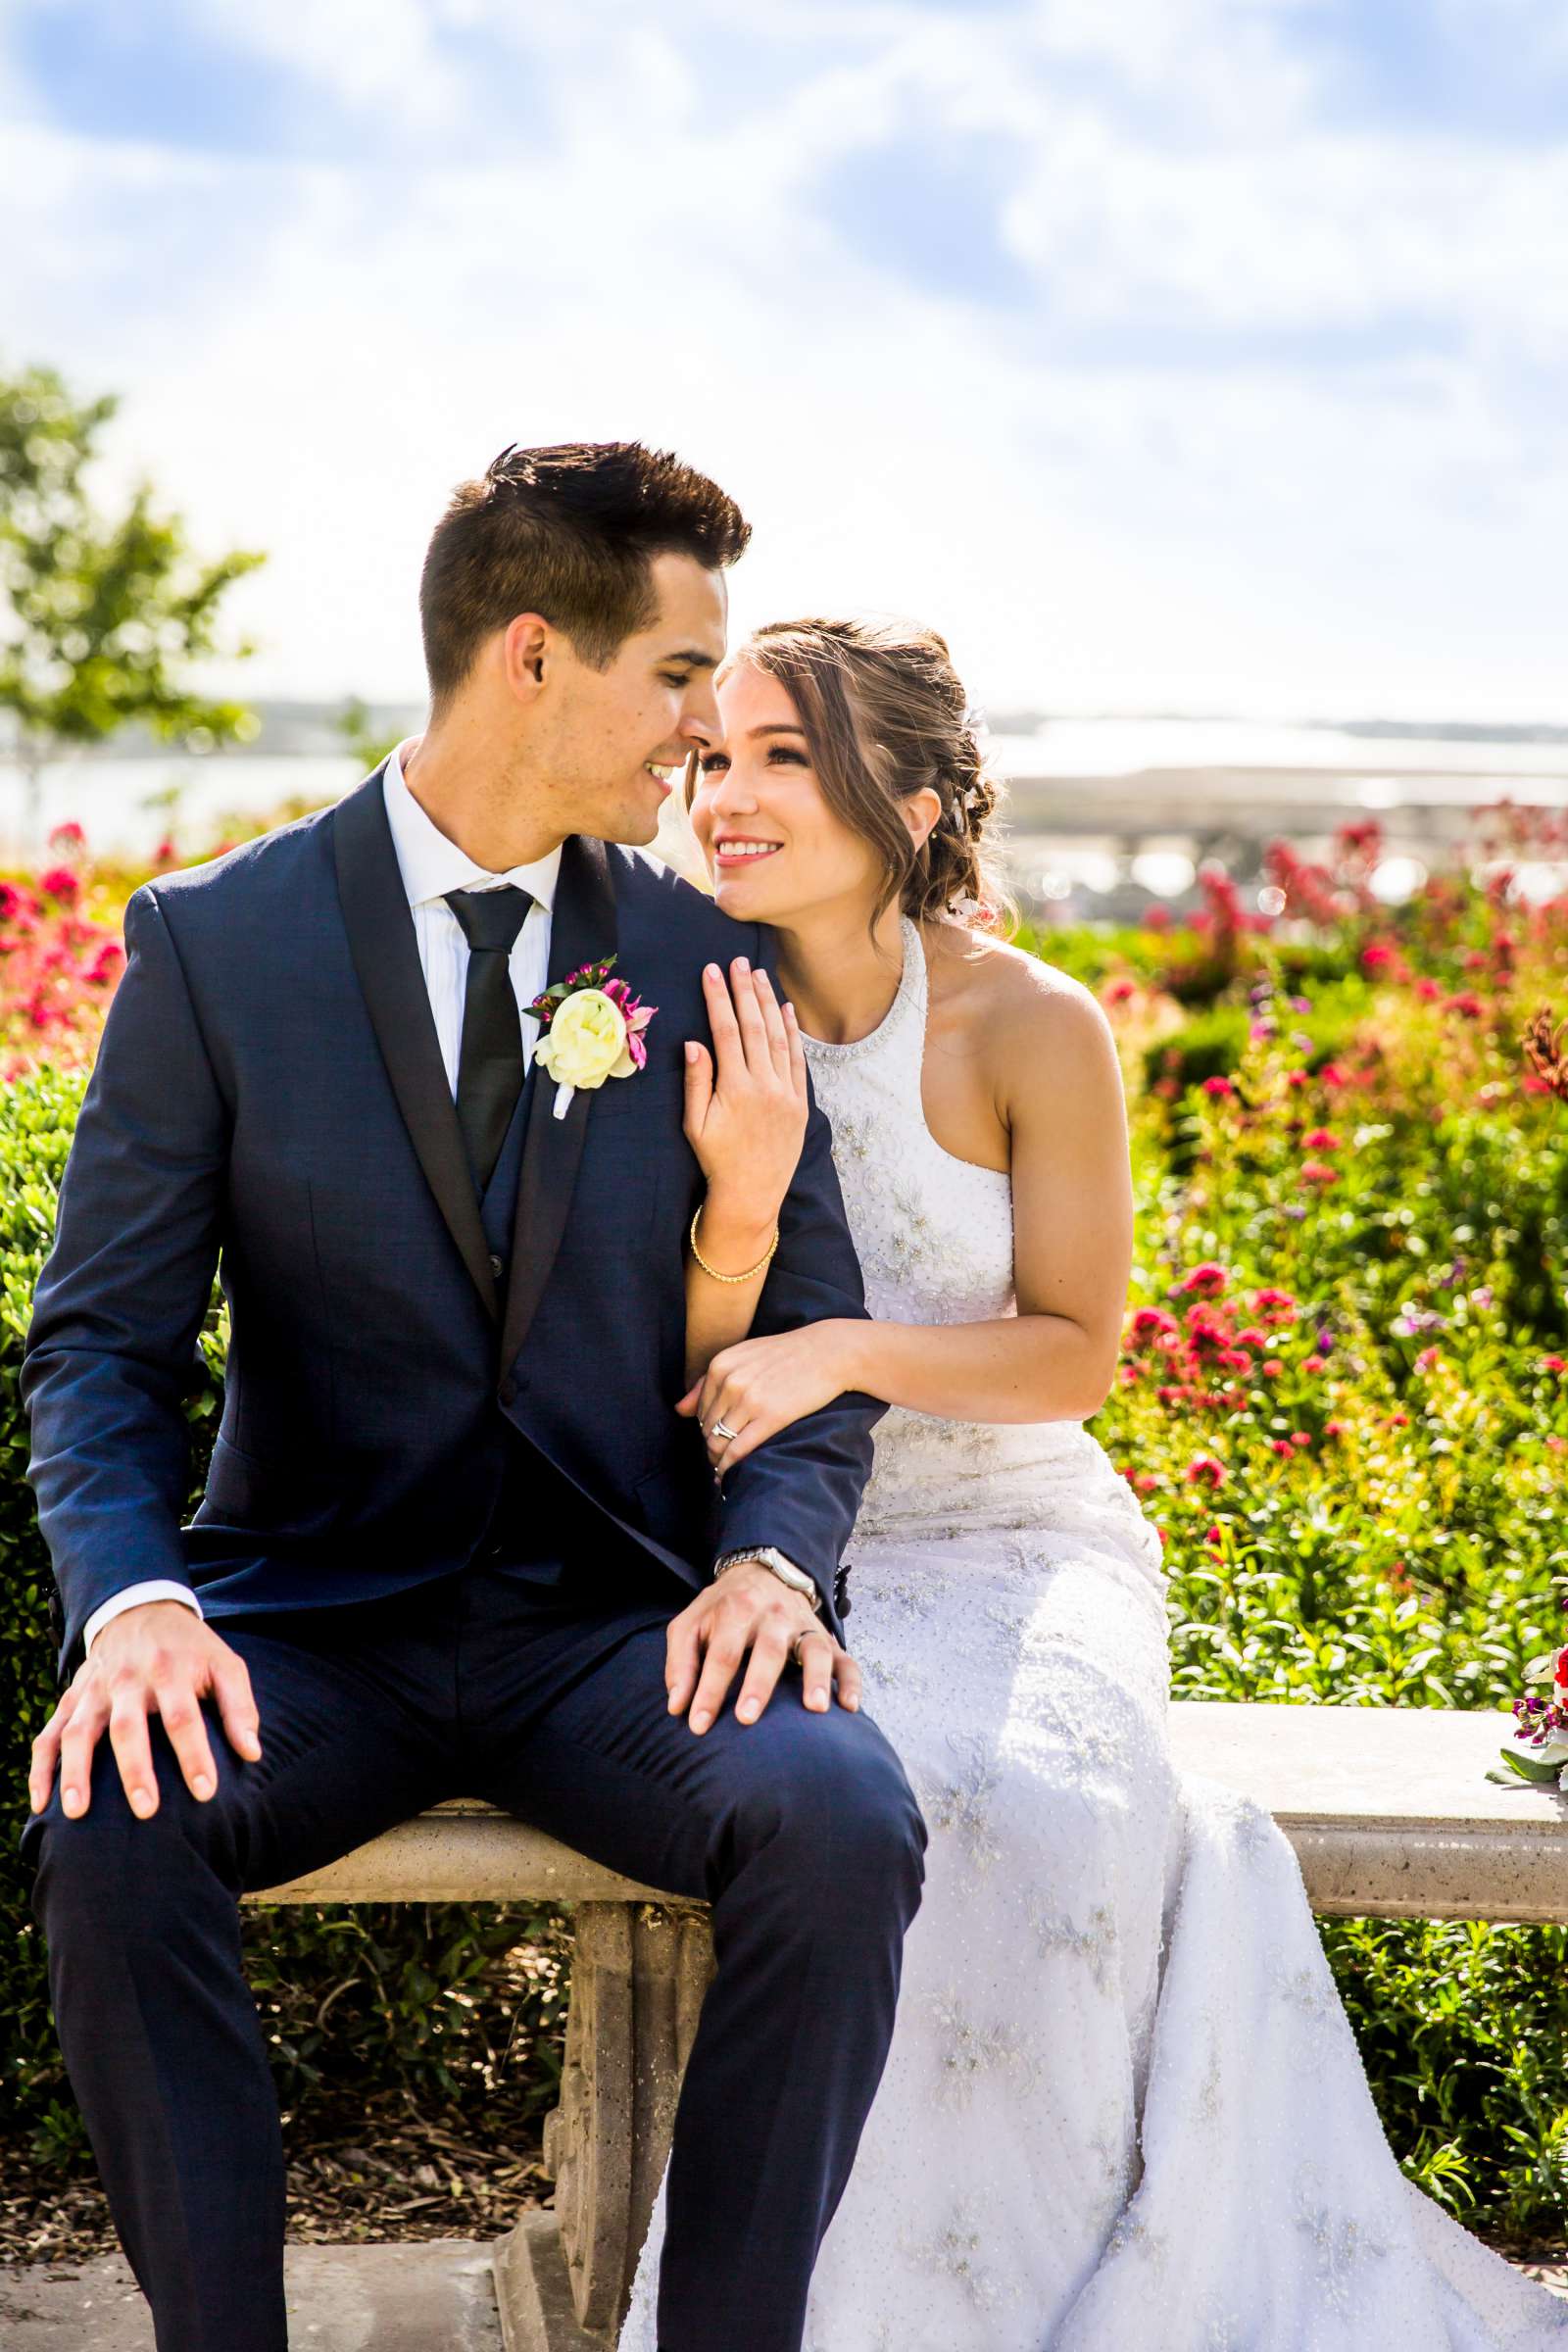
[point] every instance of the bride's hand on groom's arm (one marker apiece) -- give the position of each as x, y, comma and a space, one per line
750, 1608
758, 1386
161, 1659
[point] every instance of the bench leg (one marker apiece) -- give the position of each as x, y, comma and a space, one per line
639, 1973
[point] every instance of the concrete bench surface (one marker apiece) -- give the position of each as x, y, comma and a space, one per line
1389, 1810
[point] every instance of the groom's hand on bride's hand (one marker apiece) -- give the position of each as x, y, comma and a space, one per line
750, 1608
160, 1660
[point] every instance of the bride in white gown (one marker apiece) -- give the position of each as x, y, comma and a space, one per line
1123, 2107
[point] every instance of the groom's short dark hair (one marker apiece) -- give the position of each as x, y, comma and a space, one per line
569, 533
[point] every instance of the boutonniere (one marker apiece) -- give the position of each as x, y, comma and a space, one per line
591, 1028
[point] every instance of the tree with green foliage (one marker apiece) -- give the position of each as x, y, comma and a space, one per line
365, 743
101, 612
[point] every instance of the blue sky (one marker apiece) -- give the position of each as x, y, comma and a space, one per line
1173, 353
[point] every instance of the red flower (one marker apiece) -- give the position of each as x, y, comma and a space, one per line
59, 882
68, 836
1117, 991
1333, 1074
1282, 1445
1209, 1279
1204, 1466
1318, 1171
1218, 1086
1150, 1322
1300, 1437
1335, 1429
1427, 1358
1428, 990
1275, 1307
1272, 1368
1297, 1077
1552, 1364
1466, 1002
1320, 1139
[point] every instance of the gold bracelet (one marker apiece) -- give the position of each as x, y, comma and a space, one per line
751, 1272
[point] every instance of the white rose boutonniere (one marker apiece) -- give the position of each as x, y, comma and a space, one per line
591, 1029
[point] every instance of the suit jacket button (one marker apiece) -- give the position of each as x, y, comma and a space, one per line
497, 1265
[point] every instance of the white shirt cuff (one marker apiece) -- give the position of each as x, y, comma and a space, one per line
156, 1588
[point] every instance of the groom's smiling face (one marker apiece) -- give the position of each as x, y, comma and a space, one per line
613, 740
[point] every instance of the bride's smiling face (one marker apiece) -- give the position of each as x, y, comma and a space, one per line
771, 843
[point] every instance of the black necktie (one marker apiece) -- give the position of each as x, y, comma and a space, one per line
490, 1065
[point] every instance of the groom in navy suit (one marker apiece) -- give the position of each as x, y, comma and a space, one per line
455, 1539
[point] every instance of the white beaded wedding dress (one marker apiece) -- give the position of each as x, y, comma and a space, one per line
1123, 2107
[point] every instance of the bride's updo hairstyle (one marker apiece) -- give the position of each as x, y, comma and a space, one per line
884, 713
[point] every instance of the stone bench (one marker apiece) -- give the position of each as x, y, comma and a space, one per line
1388, 1809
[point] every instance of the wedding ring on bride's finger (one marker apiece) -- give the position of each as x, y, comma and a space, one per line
722, 1429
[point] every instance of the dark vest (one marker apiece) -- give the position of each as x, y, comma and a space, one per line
538, 1522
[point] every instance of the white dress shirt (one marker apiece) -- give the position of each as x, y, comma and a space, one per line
430, 866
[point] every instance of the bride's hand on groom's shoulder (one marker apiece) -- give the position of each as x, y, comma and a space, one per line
750, 1609
747, 1102
157, 1659
758, 1386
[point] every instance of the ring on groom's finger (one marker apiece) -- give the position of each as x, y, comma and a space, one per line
722, 1429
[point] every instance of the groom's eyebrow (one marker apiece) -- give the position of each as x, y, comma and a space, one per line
691, 659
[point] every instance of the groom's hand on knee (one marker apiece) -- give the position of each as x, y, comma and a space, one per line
751, 1609
157, 1659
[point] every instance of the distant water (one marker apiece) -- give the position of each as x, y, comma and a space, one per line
127, 805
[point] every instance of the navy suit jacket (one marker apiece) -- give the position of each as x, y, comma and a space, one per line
269, 1101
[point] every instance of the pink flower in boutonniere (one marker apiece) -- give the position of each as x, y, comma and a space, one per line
591, 1028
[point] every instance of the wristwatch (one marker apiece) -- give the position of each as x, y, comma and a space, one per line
796, 1578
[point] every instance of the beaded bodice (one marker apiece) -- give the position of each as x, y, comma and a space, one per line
934, 1235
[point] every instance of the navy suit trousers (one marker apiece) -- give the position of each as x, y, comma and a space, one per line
546, 1697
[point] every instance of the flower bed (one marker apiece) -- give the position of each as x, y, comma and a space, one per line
1344, 1400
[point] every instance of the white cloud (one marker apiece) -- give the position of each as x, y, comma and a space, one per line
1085, 528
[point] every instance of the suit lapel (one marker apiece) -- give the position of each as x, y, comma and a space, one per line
386, 959
582, 930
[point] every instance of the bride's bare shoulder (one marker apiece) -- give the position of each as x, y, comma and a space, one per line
995, 985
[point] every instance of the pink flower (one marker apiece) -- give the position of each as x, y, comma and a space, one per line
1314, 1363
1318, 1171
1281, 1445
1335, 1429
1427, 1358
1152, 1322
68, 836
1117, 991
1209, 1279
1429, 990
1467, 1003
59, 882
1300, 1437
1218, 1086
1272, 1368
1552, 1364
1320, 1139
1204, 1466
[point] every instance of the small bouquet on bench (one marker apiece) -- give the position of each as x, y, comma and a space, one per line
1538, 1750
